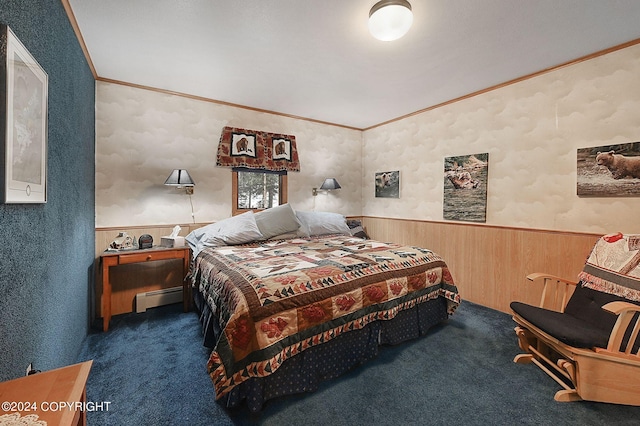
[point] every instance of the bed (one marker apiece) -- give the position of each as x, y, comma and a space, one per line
283, 311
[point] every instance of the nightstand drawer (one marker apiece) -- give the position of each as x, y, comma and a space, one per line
150, 256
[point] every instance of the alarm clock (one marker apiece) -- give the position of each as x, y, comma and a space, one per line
145, 241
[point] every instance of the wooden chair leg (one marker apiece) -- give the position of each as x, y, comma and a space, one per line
523, 359
523, 341
567, 395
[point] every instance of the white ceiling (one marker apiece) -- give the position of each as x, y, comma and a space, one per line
315, 58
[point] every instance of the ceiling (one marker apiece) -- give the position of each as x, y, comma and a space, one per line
315, 59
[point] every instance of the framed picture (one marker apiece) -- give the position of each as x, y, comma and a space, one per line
387, 184
465, 187
243, 144
23, 112
609, 170
281, 149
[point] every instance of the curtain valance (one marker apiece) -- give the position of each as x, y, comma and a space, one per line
255, 149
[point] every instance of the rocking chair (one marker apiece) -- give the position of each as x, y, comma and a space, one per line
585, 334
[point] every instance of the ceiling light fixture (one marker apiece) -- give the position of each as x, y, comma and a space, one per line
390, 19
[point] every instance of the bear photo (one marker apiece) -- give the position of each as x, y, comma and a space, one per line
387, 184
619, 165
609, 171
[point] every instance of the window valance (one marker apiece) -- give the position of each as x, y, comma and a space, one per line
255, 149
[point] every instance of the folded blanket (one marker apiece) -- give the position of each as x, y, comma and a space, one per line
614, 266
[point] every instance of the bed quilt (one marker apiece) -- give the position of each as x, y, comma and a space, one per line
277, 298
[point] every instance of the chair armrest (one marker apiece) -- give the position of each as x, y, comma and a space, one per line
620, 307
555, 292
625, 312
542, 275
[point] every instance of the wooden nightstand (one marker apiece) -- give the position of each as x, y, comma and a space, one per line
57, 396
115, 258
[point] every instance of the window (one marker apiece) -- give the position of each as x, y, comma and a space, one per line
258, 189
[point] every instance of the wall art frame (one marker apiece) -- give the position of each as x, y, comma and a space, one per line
387, 184
23, 122
608, 170
281, 149
243, 144
465, 188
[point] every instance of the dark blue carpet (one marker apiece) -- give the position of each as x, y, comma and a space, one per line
151, 367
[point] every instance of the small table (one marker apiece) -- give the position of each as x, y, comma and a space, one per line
114, 258
58, 396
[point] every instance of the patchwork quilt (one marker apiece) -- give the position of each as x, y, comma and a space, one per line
275, 299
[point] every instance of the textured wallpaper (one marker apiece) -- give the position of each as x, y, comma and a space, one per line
46, 270
531, 130
143, 135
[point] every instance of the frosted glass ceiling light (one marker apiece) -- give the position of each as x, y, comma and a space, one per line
390, 19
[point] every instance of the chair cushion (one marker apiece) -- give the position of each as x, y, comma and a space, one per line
586, 304
564, 327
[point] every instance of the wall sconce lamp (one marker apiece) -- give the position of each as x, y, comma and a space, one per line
180, 178
328, 185
390, 19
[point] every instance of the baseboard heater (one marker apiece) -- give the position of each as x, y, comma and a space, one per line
151, 299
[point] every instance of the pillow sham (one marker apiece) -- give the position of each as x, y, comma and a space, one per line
194, 237
322, 223
238, 229
277, 221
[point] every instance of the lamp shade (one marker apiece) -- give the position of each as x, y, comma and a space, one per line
330, 184
390, 19
179, 177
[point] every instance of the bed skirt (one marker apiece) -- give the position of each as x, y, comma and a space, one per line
305, 371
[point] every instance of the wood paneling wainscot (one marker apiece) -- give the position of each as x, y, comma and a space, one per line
489, 264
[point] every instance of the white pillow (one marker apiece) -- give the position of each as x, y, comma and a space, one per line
277, 221
238, 229
322, 223
194, 237
234, 230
